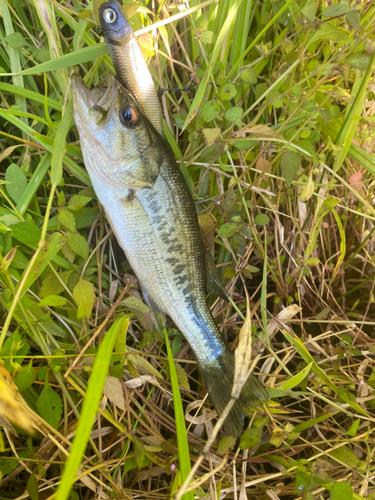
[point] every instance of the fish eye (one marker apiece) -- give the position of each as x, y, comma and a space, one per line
128, 116
109, 16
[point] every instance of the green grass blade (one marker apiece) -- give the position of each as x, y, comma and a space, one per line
353, 114
14, 56
30, 95
219, 42
34, 184
182, 441
59, 149
89, 409
48, 144
87, 54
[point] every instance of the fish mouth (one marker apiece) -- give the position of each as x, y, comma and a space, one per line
102, 96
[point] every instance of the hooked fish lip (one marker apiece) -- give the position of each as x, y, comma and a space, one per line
103, 95
82, 93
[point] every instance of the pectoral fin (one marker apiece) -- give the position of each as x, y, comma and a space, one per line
137, 172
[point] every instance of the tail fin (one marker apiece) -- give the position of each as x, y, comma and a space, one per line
218, 377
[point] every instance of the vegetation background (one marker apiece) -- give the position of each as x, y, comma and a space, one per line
269, 108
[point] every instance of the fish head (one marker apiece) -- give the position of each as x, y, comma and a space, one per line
113, 22
118, 142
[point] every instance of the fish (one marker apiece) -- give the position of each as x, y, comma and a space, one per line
128, 61
153, 216
132, 72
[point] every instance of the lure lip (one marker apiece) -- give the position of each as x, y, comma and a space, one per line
116, 32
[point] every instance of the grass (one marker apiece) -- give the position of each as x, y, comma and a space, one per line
271, 120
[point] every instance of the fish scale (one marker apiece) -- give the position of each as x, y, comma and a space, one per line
153, 216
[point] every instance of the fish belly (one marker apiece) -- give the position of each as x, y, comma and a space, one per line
162, 245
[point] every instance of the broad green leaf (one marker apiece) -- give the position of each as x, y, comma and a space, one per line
342, 490
50, 405
228, 229
336, 9
176, 345
89, 410
234, 114
26, 377
133, 303
275, 98
179, 118
50, 248
229, 272
16, 40
226, 445
139, 453
210, 110
309, 11
261, 219
4, 228
305, 146
17, 180
290, 162
32, 487
345, 456
52, 301
182, 377
260, 90
78, 244
354, 19
207, 37
15, 344
354, 428
9, 219
141, 364
248, 75
52, 285
250, 438
211, 134
66, 219
84, 217
26, 232
328, 32
228, 91
312, 261
78, 201
359, 60
84, 295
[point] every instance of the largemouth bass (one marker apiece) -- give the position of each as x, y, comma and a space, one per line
153, 216
132, 72
128, 61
